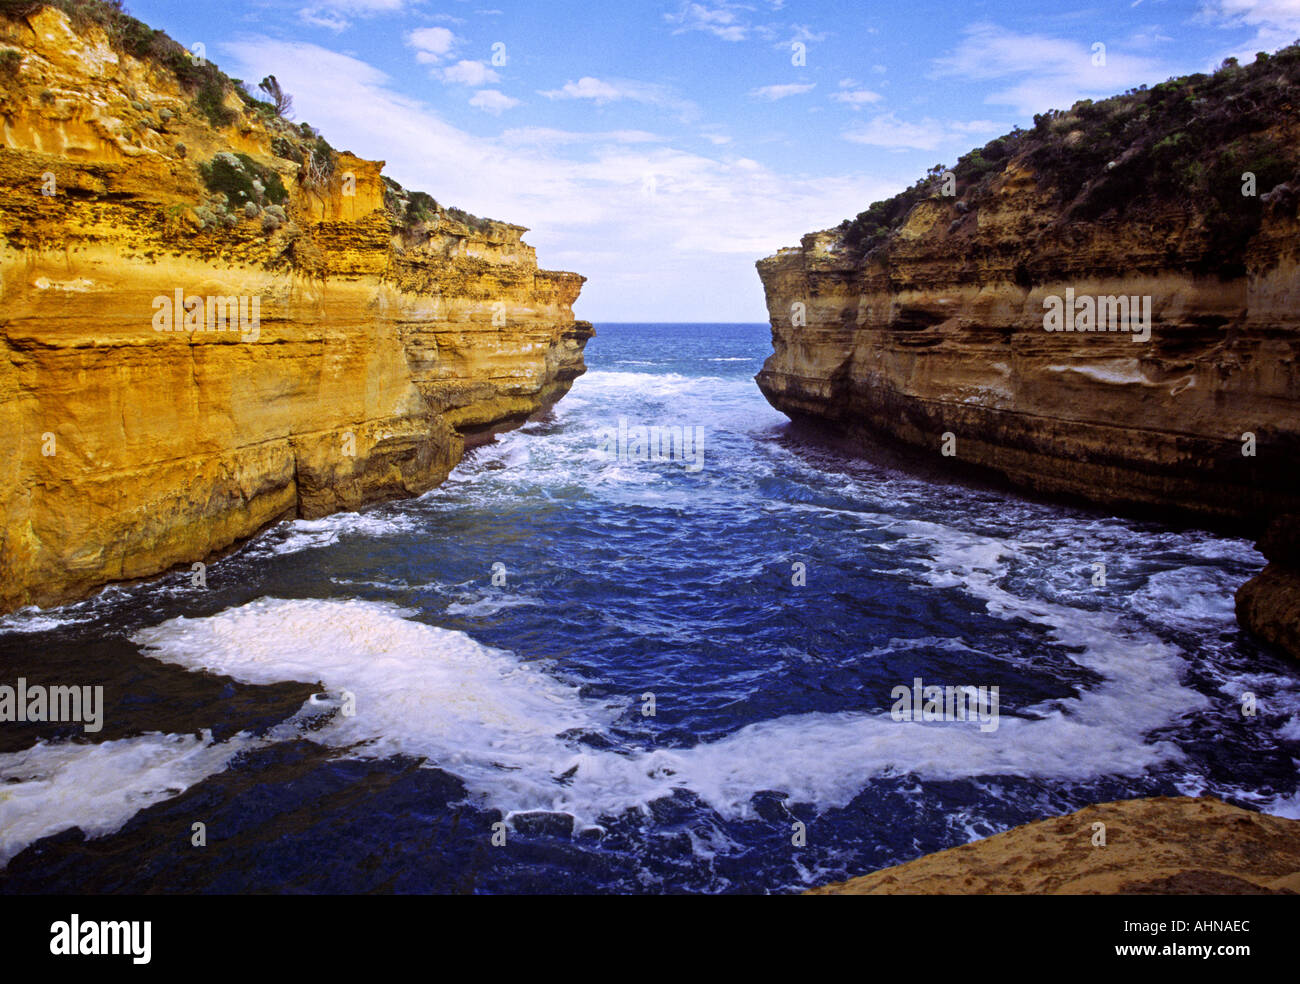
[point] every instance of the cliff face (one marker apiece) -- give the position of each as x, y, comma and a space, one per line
939, 329
337, 353
938, 337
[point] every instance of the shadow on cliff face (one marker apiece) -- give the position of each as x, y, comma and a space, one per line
808, 431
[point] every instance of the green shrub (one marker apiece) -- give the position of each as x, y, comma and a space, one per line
410, 209
321, 156
1181, 144
10, 61
105, 13
251, 101
242, 180
422, 208
210, 100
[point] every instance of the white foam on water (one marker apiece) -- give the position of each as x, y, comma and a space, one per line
714, 390
33, 619
498, 722
1142, 689
307, 534
491, 604
1284, 806
1193, 596
55, 786
481, 713
505, 726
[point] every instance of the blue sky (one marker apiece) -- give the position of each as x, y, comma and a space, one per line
660, 148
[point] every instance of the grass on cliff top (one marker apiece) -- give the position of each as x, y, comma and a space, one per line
414, 211
1186, 141
209, 87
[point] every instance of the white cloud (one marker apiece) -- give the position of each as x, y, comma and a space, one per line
492, 101
547, 136
1042, 72
431, 44
707, 220
597, 90
857, 98
470, 73
1276, 22
775, 92
363, 8
603, 91
335, 14
801, 32
887, 130
1285, 12
323, 18
722, 20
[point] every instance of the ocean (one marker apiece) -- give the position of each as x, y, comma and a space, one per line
574, 668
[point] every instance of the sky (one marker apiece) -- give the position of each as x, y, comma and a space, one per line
661, 147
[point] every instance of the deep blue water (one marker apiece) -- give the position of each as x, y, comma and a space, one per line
522, 703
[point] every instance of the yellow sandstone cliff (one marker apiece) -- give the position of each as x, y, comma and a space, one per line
377, 338
939, 337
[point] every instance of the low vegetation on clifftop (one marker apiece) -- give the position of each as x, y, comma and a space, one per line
1183, 144
225, 102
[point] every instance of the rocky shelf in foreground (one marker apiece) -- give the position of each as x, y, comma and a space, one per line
1165, 845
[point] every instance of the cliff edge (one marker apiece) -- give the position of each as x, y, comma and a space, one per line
213, 320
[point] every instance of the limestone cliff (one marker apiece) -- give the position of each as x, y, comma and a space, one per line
1166, 845
213, 320
926, 315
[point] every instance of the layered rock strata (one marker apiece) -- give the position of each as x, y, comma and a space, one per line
335, 354
929, 341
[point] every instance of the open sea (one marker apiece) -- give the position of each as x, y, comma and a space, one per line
572, 670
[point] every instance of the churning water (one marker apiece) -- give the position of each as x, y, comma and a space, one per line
353, 703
